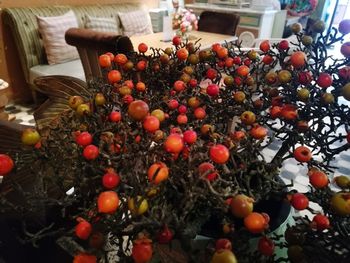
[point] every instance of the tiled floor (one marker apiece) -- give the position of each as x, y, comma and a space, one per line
23, 113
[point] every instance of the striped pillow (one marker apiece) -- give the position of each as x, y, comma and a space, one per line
102, 24
136, 23
52, 30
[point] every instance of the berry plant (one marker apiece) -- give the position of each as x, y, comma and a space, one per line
172, 145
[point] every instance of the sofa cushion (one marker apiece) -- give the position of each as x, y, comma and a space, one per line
72, 68
136, 23
52, 30
102, 24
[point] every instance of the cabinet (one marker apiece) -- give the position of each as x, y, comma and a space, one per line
262, 23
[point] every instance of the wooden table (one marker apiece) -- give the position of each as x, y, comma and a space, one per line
206, 39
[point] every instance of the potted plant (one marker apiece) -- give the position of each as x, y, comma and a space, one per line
184, 143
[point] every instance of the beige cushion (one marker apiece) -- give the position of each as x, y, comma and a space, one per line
52, 30
72, 68
136, 23
102, 24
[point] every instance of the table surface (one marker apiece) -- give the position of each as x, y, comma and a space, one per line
205, 39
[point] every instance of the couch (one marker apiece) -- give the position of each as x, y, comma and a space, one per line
23, 25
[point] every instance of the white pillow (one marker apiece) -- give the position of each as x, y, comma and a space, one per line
136, 23
102, 24
52, 30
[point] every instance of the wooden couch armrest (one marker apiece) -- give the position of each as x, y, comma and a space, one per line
91, 44
102, 41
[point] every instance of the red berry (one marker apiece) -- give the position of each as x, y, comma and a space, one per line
182, 109
318, 179
91, 152
267, 59
165, 235
213, 90
83, 230
84, 257
179, 85
151, 124
219, 154
173, 104
223, 243
247, 62
265, 46
190, 136
324, 80
238, 81
141, 65
142, 251
138, 110
6, 164
199, 113
182, 54
299, 201
142, 48
302, 154
110, 180
215, 47
208, 170
321, 222
137, 138
128, 99
298, 59
176, 40
275, 112
211, 73
182, 119
222, 53
237, 60
174, 143
221, 63
193, 83
266, 246
229, 62
305, 77
107, 202
130, 84
120, 59
344, 73
115, 116
84, 139
242, 71
114, 76
283, 45
111, 56
104, 61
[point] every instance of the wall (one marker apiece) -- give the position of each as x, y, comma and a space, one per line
18, 89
